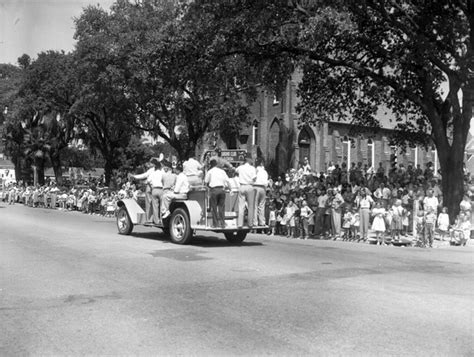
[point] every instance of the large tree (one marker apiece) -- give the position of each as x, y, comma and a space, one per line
47, 93
179, 86
10, 78
103, 108
415, 58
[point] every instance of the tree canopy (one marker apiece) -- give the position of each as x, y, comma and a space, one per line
181, 69
179, 87
413, 58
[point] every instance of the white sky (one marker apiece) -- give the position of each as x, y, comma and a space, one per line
32, 26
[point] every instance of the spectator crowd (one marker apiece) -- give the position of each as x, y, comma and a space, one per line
340, 203
346, 203
87, 197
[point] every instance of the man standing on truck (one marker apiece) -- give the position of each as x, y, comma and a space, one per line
247, 176
145, 176
217, 180
260, 184
180, 191
193, 170
156, 183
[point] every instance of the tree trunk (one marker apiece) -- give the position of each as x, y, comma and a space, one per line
18, 169
108, 168
452, 183
40, 171
58, 172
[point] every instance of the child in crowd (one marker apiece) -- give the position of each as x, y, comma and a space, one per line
305, 214
461, 231
396, 224
290, 216
430, 222
111, 206
346, 223
378, 224
71, 201
312, 220
279, 225
420, 229
12, 195
355, 223
443, 223
405, 221
272, 220
62, 200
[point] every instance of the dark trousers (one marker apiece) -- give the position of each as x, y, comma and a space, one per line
319, 221
217, 203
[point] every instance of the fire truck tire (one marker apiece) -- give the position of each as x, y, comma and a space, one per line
179, 227
235, 237
124, 223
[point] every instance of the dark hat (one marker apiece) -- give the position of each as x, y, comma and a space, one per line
155, 161
165, 163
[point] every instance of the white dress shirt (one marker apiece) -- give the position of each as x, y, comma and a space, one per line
216, 177
182, 184
145, 175
261, 177
247, 174
156, 179
192, 167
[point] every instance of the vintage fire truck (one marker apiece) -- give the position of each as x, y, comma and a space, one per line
188, 215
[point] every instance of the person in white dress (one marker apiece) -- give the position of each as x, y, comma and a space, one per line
443, 223
378, 224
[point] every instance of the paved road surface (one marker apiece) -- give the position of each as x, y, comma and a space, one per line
69, 285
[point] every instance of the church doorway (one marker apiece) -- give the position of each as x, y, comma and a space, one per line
306, 146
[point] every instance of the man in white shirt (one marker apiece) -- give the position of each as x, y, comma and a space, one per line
247, 176
148, 199
383, 194
260, 185
156, 183
216, 179
180, 191
430, 202
193, 170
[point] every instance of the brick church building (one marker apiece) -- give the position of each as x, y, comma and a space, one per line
276, 136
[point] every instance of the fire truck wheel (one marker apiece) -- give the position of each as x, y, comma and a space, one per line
179, 227
124, 223
235, 237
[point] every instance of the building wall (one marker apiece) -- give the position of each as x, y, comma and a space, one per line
283, 143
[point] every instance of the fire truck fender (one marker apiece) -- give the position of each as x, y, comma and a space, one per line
133, 208
192, 207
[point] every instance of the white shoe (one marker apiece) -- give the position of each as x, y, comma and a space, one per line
165, 215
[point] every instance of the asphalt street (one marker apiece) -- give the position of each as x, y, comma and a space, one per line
70, 285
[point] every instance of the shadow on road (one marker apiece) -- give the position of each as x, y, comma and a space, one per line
198, 240
216, 242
